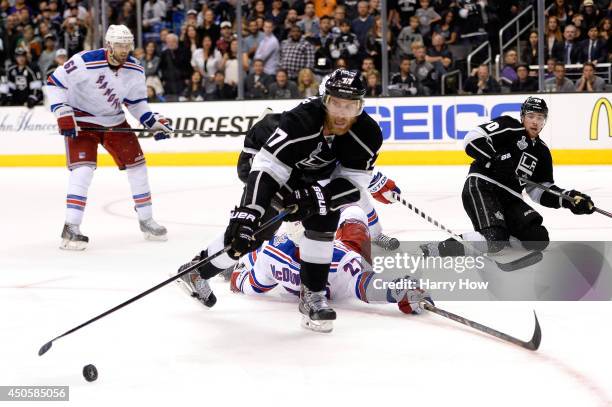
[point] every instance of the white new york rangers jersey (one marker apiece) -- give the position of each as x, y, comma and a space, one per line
277, 263
96, 92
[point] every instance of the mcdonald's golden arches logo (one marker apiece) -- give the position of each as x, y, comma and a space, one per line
594, 131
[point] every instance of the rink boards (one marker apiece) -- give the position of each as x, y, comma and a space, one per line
416, 130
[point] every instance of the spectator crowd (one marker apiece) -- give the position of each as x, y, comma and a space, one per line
191, 53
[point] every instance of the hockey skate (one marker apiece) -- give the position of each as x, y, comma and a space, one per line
153, 230
317, 315
196, 286
72, 239
386, 242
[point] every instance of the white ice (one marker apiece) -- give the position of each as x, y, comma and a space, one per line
167, 350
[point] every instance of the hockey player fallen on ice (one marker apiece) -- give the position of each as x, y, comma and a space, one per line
380, 186
503, 149
322, 153
88, 91
277, 262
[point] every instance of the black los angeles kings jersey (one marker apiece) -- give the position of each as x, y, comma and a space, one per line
24, 85
531, 158
254, 140
298, 150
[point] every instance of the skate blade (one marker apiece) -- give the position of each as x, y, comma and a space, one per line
187, 289
390, 246
153, 238
324, 326
72, 245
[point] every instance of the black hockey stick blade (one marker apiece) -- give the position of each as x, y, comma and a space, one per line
529, 259
533, 344
43, 349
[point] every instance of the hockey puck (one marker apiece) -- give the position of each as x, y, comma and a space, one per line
90, 373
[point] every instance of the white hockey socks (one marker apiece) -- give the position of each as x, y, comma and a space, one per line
76, 198
141, 192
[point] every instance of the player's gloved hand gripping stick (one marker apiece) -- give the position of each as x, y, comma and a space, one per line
158, 124
66, 122
575, 200
381, 187
47, 345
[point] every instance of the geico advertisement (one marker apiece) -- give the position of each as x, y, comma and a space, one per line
576, 121
402, 120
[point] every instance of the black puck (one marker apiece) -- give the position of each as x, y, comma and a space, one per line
90, 373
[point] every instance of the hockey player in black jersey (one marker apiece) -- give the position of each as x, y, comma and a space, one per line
24, 82
380, 186
504, 149
318, 158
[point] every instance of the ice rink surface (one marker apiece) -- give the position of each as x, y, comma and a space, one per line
166, 349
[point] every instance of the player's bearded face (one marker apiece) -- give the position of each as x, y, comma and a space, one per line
534, 123
341, 113
119, 52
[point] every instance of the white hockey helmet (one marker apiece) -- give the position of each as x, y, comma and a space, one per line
119, 34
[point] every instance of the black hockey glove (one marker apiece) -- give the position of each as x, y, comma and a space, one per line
502, 166
582, 206
307, 201
240, 231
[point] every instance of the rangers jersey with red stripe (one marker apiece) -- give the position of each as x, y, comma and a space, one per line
96, 91
277, 263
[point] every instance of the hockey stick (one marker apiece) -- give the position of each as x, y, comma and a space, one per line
532, 344
175, 131
561, 195
525, 261
207, 260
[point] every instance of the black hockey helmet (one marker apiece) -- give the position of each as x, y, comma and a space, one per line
534, 105
344, 84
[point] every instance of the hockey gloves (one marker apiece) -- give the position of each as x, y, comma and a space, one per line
307, 201
582, 204
382, 188
411, 301
240, 231
502, 166
65, 121
158, 123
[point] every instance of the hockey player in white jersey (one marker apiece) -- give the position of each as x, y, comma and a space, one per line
89, 91
277, 263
